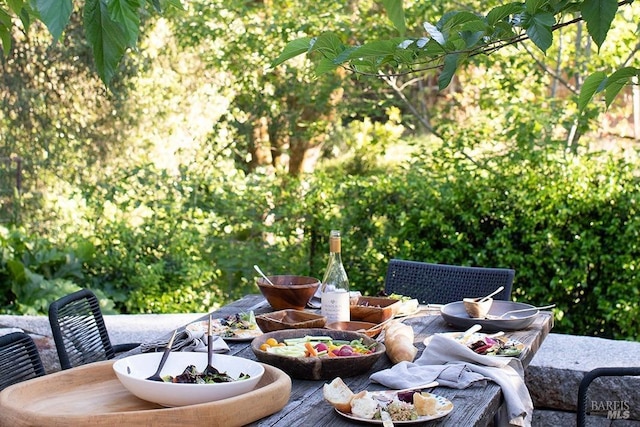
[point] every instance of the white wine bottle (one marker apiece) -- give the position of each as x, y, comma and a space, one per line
335, 284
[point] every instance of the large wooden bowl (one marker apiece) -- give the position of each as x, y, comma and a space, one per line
318, 368
288, 291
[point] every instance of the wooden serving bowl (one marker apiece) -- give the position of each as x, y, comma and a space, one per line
374, 309
288, 291
318, 368
289, 319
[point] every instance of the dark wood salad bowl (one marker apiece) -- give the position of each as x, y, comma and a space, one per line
319, 368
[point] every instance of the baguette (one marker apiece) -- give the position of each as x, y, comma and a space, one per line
398, 340
338, 394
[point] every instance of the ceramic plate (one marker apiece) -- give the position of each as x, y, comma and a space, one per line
455, 314
225, 329
444, 406
512, 347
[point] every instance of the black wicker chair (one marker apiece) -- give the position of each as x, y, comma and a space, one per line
581, 411
442, 284
19, 359
79, 330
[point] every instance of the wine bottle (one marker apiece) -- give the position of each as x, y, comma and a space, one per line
335, 284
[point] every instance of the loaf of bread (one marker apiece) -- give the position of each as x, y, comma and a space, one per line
338, 394
398, 340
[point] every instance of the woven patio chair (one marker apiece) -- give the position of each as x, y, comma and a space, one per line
442, 284
581, 410
19, 359
79, 330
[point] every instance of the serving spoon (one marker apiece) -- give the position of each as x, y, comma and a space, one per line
483, 299
163, 360
501, 317
255, 266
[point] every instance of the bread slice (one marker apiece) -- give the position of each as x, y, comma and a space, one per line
363, 405
338, 394
425, 403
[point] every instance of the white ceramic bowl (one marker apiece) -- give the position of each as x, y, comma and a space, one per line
132, 371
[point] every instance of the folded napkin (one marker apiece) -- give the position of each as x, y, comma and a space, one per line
186, 340
408, 375
442, 353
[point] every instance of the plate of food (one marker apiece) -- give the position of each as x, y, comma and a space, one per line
374, 407
487, 345
236, 327
408, 306
455, 314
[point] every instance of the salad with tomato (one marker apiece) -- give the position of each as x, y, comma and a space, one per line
317, 346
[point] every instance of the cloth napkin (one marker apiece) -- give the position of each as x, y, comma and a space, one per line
186, 340
442, 353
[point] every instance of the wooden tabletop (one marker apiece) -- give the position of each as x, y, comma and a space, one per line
473, 406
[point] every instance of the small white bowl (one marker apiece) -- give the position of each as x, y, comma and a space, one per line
475, 309
132, 372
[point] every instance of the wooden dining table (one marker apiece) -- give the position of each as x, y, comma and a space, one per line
473, 406
92, 395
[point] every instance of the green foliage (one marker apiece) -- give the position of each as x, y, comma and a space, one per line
111, 27
33, 272
456, 39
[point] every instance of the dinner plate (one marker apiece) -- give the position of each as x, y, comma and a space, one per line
455, 314
444, 406
514, 344
225, 332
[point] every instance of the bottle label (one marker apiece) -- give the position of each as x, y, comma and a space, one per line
335, 306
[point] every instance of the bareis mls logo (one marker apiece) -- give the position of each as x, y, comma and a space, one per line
614, 409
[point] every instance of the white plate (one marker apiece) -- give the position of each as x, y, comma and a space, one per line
225, 332
444, 407
478, 336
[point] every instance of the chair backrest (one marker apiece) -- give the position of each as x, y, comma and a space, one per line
19, 359
79, 330
442, 284
581, 410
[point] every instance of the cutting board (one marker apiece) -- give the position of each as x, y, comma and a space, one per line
92, 395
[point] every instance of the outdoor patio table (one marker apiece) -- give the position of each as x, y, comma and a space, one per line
473, 406
91, 394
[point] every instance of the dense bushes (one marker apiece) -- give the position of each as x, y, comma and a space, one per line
156, 243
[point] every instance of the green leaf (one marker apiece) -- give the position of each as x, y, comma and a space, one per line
376, 48
127, 13
325, 65
329, 45
538, 29
395, 12
534, 6
107, 38
449, 70
598, 14
617, 80
293, 49
501, 12
55, 14
5, 36
590, 86
16, 6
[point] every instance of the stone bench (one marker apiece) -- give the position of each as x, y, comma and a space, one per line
556, 370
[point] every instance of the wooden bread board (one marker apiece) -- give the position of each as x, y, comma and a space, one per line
93, 395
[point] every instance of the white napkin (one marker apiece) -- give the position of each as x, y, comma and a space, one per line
408, 375
186, 340
442, 352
